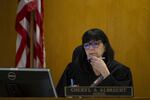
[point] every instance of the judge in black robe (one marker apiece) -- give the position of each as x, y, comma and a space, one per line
80, 71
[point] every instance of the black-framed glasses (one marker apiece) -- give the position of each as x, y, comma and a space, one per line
94, 44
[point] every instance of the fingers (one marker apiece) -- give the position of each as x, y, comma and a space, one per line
94, 58
97, 63
99, 66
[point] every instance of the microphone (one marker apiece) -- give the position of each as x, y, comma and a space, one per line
97, 81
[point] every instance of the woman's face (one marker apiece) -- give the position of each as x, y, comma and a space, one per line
94, 48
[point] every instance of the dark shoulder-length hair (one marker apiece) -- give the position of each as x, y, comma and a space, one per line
97, 34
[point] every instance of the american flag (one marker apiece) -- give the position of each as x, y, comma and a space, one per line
30, 37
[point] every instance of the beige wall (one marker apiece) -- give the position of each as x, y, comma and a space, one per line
126, 23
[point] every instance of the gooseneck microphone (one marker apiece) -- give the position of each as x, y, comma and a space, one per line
97, 81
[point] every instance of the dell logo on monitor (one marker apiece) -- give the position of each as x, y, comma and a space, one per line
11, 76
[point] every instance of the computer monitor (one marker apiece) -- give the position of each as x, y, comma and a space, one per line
26, 82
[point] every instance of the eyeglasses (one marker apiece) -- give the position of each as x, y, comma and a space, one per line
94, 44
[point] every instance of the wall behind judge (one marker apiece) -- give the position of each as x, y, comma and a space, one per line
126, 23
7, 32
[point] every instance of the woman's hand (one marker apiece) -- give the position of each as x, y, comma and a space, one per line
99, 66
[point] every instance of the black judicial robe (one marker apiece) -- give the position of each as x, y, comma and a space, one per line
82, 74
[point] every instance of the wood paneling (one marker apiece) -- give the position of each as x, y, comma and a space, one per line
126, 23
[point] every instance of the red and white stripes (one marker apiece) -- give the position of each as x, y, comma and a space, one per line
23, 20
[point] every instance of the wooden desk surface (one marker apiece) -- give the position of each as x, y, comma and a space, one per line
98, 98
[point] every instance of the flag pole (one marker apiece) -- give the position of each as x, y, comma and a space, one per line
32, 39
